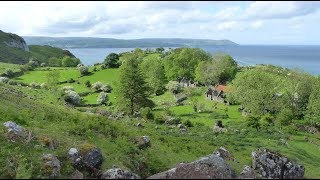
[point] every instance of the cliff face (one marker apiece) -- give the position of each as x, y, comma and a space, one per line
13, 40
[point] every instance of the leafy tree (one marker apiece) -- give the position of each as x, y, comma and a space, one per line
182, 62
256, 90
153, 72
70, 62
227, 65
254, 121
54, 62
112, 60
313, 108
53, 79
132, 90
159, 49
285, 117
207, 73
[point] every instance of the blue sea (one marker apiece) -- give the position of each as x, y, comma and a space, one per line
306, 58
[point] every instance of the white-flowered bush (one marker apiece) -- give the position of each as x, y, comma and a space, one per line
97, 86
102, 98
4, 79
72, 97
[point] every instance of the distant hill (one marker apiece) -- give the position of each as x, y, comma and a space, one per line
89, 42
14, 49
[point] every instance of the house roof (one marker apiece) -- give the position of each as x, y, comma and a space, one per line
221, 88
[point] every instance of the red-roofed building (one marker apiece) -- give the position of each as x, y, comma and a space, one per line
216, 93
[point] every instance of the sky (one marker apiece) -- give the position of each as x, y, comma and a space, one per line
243, 22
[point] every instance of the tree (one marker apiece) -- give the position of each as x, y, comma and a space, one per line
53, 79
253, 121
313, 108
207, 73
257, 91
182, 62
159, 49
132, 90
54, 62
112, 60
227, 65
70, 62
153, 72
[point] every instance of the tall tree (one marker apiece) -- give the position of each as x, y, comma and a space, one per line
153, 72
132, 90
182, 62
53, 79
112, 60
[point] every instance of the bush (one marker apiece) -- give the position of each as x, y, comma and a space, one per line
72, 97
174, 87
96, 86
67, 88
146, 113
11, 82
87, 83
285, 117
84, 70
253, 121
106, 88
159, 118
188, 123
43, 64
4, 79
103, 66
44, 86
103, 98
71, 80
9, 73
35, 85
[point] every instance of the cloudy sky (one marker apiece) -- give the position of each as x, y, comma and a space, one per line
242, 22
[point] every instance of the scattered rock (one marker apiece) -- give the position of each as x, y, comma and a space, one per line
74, 155
51, 165
209, 167
76, 175
14, 132
93, 159
139, 125
224, 153
271, 165
219, 124
181, 126
247, 173
311, 129
117, 173
143, 141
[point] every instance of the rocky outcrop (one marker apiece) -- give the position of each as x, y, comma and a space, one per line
247, 173
13, 40
117, 173
14, 132
51, 165
271, 165
209, 167
224, 153
218, 127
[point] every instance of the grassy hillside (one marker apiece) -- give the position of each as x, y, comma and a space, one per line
43, 53
42, 112
19, 56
